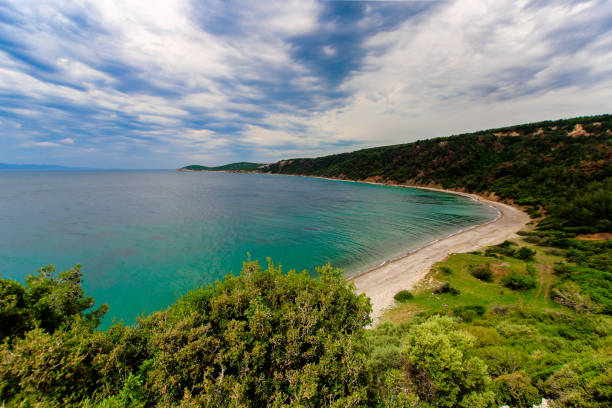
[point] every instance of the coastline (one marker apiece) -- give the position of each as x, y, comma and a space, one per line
381, 283
406, 270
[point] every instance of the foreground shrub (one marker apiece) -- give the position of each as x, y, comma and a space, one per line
48, 301
403, 296
260, 339
441, 367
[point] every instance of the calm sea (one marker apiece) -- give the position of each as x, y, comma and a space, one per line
145, 237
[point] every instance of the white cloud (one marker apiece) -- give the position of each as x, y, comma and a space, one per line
469, 65
153, 76
41, 144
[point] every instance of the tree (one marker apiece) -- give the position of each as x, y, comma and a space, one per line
46, 301
441, 368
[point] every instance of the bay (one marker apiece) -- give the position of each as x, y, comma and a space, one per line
145, 237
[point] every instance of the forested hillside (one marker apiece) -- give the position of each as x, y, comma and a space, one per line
561, 167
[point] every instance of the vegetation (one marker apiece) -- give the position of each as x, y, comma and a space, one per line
403, 296
549, 339
260, 339
510, 325
241, 166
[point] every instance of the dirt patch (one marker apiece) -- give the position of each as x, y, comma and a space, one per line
599, 236
500, 134
500, 269
578, 131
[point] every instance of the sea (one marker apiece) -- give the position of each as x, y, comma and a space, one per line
144, 238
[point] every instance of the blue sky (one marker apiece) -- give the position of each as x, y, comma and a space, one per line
161, 84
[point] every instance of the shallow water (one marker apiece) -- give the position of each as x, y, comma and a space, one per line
145, 237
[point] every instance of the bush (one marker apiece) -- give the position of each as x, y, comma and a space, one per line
446, 270
403, 296
446, 287
519, 281
48, 300
568, 294
469, 313
442, 368
525, 253
516, 390
258, 339
482, 272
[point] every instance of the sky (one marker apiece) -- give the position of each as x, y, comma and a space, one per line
163, 84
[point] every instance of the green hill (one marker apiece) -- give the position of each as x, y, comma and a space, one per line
241, 166
562, 168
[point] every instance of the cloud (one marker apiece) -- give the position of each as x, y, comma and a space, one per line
41, 144
151, 86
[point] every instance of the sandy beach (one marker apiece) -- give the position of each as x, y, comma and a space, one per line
382, 283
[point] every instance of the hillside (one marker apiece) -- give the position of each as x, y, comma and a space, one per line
562, 167
241, 166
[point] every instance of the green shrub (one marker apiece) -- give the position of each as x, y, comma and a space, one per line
569, 294
403, 296
446, 270
525, 253
469, 313
516, 390
519, 281
482, 272
446, 287
442, 368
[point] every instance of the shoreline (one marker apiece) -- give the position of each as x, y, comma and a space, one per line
405, 271
381, 283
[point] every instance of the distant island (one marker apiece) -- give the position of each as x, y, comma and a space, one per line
232, 167
8, 166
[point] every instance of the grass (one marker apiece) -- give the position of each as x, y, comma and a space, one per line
477, 292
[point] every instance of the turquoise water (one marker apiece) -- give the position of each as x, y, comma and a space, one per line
145, 237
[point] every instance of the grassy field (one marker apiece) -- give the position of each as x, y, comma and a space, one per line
472, 291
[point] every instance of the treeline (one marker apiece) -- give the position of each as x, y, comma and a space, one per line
562, 168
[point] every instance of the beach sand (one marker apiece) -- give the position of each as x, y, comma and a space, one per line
382, 283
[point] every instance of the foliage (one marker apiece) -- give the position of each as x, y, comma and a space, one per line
441, 368
468, 313
403, 296
46, 301
445, 287
529, 344
516, 389
519, 281
590, 274
569, 294
482, 272
261, 338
